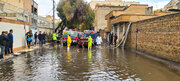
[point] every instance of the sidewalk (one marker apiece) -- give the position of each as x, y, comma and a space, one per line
23, 51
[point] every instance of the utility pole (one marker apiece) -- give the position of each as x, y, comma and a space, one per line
53, 16
33, 14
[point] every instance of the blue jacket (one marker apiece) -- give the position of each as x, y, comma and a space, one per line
10, 36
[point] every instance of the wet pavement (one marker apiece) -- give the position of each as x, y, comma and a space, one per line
78, 64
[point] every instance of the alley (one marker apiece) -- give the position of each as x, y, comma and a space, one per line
78, 64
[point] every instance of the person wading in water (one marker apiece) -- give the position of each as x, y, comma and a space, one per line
69, 42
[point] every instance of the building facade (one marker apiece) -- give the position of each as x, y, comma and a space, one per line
102, 8
21, 10
118, 21
45, 24
173, 4
100, 12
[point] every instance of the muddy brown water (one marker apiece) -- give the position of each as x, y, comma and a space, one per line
57, 64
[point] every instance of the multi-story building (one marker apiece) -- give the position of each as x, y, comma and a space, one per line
173, 4
56, 21
11, 9
44, 25
100, 12
21, 10
102, 8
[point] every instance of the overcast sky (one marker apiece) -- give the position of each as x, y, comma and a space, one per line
45, 6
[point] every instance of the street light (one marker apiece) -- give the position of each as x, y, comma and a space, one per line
33, 14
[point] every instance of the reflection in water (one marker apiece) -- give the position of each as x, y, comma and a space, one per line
55, 51
89, 58
56, 64
89, 55
68, 58
6, 73
20, 73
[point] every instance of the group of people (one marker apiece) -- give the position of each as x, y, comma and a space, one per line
98, 41
90, 42
41, 37
6, 43
57, 37
113, 39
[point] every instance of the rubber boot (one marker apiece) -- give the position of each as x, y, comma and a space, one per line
68, 48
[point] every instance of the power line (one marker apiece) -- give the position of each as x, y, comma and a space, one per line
49, 11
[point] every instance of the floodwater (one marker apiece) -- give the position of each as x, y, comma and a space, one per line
57, 64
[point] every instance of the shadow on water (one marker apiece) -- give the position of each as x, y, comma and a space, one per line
100, 64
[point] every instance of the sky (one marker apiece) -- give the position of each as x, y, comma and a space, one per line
45, 6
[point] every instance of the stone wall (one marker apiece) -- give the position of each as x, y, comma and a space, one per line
159, 36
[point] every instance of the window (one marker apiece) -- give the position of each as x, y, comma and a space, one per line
26, 18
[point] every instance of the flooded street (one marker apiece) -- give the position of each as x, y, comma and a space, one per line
58, 64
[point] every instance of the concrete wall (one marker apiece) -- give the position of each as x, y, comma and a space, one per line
159, 36
19, 33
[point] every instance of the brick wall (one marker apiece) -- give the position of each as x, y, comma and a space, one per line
159, 36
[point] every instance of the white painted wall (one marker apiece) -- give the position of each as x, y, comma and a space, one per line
34, 30
19, 32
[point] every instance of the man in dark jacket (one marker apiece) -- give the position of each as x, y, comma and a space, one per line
29, 38
3, 42
7, 43
35, 38
10, 36
40, 37
111, 38
44, 38
115, 39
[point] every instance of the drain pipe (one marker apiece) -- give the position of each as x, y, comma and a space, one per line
126, 34
136, 37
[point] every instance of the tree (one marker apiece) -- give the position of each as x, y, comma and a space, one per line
75, 13
88, 20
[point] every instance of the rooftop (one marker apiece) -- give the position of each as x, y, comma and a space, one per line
129, 10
